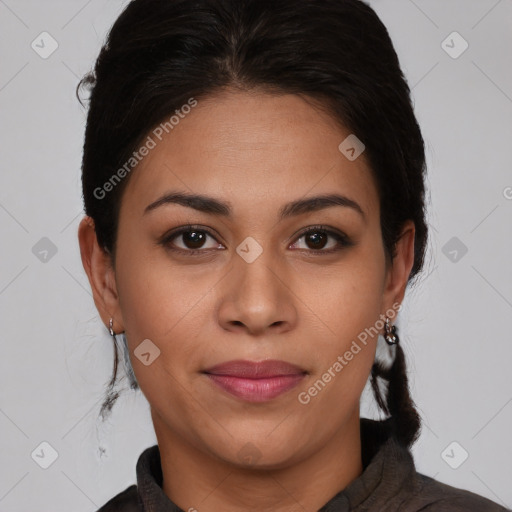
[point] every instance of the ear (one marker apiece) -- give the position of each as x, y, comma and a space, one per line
400, 268
99, 267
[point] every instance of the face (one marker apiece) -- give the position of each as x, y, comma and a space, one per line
255, 280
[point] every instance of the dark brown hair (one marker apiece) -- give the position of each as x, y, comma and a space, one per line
160, 53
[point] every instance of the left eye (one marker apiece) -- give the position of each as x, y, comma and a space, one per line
316, 240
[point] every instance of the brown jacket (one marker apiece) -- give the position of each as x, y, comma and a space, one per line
389, 483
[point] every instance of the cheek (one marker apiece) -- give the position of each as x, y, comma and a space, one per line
345, 298
164, 306
159, 300
347, 313
348, 302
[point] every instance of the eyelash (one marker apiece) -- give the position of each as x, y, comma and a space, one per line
342, 239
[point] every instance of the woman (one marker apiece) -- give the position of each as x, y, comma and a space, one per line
253, 179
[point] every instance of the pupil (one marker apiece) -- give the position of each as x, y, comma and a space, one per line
195, 238
317, 239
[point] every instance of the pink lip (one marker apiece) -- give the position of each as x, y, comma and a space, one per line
256, 381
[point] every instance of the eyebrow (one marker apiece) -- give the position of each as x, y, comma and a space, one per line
220, 208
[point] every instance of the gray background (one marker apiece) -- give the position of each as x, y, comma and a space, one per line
57, 355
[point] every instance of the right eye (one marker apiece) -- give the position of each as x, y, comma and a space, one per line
192, 239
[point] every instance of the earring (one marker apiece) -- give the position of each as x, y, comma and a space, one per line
390, 334
110, 329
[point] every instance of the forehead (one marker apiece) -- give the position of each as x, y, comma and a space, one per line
254, 149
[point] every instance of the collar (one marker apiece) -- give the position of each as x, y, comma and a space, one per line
388, 468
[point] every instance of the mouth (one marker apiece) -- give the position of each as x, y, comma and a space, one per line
255, 381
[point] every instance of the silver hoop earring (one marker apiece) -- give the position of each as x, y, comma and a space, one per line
390, 334
110, 329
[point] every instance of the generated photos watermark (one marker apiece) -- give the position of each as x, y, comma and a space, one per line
149, 144
304, 397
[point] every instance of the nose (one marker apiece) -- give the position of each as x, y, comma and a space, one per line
257, 298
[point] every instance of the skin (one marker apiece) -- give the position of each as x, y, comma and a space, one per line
258, 152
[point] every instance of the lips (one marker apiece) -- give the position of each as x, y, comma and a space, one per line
255, 370
256, 381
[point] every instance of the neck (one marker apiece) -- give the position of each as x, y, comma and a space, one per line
193, 479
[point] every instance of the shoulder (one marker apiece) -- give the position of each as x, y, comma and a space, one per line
126, 501
433, 495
